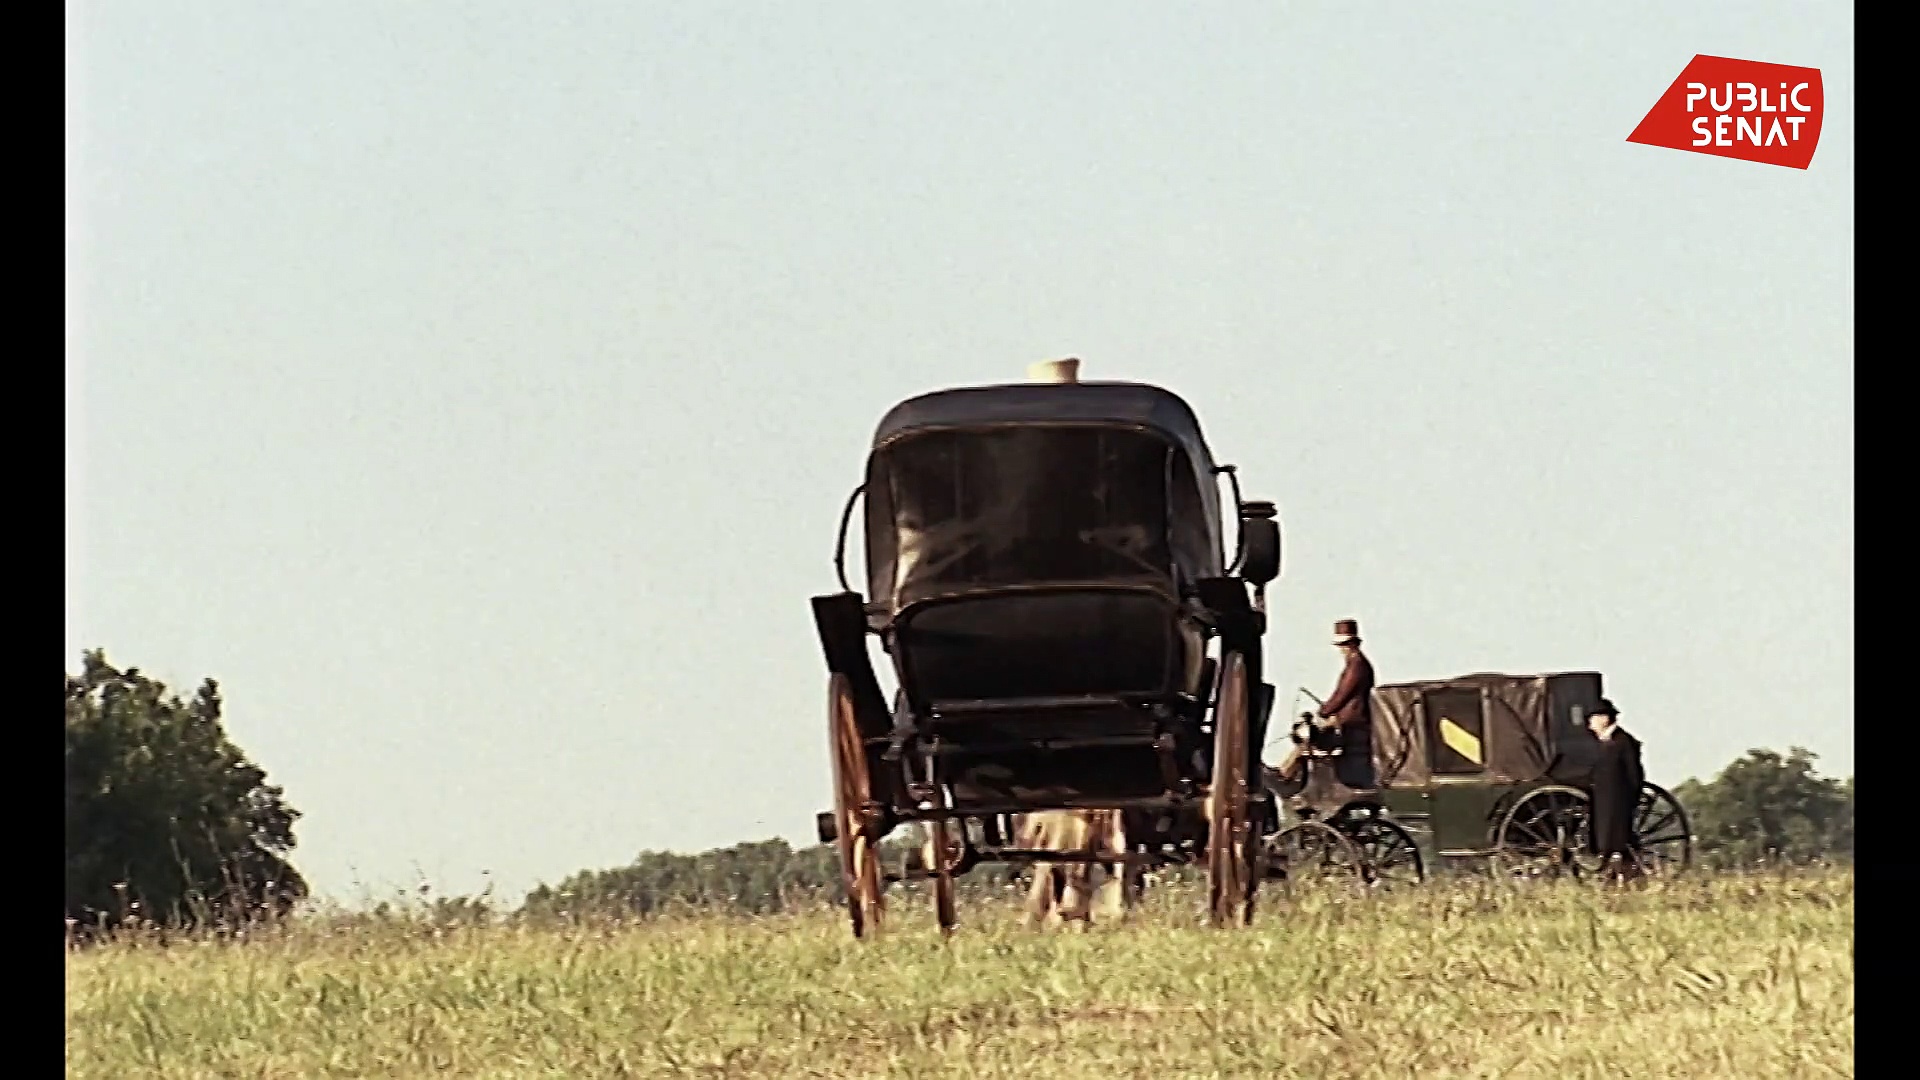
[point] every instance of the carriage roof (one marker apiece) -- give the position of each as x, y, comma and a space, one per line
1120, 404
1489, 680
1020, 425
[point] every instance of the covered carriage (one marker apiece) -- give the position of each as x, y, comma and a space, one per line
1049, 577
1489, 768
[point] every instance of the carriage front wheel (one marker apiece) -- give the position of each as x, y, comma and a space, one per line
852, 796
1230, 872
1313, 854
1390, 856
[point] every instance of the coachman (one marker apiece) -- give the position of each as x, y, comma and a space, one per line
1346, 718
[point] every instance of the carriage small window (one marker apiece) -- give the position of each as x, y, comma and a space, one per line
1456, 731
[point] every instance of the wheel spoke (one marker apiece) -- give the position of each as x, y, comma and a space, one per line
1397, 860
1655, 826
1678, 836
1527, 833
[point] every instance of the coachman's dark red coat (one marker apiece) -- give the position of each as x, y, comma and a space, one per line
1352, 701
1351, 709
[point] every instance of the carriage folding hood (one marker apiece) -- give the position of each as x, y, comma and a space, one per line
976, 487
1033, 541
1523, 727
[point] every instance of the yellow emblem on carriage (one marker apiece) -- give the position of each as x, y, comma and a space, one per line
1460, 740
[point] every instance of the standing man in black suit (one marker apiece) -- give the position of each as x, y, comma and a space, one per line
1615, 793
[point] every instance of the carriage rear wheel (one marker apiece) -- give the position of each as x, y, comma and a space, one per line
1662, 832
1389, 855
944, 854
1544, 835
1313, 853
1230, 872
852, 795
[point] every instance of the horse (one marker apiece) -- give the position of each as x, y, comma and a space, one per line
1074, 892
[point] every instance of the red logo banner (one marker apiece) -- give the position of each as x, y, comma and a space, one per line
1769, 113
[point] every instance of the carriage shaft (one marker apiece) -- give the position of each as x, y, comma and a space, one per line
1042, 855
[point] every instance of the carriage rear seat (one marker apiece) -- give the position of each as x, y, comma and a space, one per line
1049, 704
1047, 651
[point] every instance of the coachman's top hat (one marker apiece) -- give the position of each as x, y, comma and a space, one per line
1605, 708
1346, 632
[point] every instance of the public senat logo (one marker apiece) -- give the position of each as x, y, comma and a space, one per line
1769, 113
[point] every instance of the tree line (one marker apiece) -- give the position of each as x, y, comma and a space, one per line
169, 822
1764, 808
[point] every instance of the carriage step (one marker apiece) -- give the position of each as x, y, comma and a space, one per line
1143, 740
991, 706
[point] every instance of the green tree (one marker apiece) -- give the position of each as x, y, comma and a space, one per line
1768, 807
166, 819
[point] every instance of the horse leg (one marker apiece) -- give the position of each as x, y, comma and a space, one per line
1042, 894
1111, 898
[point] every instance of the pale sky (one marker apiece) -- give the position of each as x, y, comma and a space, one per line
473, 389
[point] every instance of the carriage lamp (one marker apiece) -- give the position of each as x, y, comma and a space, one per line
1260, 544
1055, 371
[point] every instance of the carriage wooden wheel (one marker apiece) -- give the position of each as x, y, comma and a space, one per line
944, 854
1544, 835
1313, 853
852, 796
1230, 873
1389, 857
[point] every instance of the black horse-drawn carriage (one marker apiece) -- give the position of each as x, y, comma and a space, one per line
1047, 573
1488, 769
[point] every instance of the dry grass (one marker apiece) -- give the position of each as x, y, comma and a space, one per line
1710, 977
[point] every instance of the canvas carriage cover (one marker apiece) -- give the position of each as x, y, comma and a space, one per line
981, 487
1491, 727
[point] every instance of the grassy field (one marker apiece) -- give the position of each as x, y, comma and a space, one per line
1710, 977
